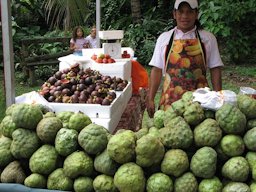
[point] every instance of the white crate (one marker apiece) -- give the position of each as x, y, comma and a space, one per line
126, 96
111, 34
88, 53
95, 110
110, 123
122, 69
92, 110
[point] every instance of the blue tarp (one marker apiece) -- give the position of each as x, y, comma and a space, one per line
9, 187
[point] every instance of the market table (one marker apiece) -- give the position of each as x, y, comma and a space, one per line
130, 108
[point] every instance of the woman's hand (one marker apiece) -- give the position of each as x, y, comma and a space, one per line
72, 46
150, 108
86, 45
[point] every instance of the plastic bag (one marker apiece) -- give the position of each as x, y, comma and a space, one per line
33, 97
139, 77
213, 100
248, 91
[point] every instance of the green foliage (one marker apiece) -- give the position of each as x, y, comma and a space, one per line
142, 37
28, 12
66, 14
111, 11
231, 21
234, 23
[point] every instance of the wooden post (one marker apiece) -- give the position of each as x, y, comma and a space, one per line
98, 22
8, 52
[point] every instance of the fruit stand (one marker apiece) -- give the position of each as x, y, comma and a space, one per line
119, 69
203, 142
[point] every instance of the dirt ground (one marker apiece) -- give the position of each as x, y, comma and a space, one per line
241, 81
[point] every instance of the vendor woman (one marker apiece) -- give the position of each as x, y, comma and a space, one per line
183, 56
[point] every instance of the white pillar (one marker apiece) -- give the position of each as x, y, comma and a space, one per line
8, 52
98, 22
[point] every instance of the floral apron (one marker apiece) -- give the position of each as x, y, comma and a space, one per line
185, 70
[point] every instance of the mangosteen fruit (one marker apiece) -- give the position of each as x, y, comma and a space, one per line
82, 98
66, 70
52, 80
119, 89
73, 81
81, 73
51, 98
58, 75
95, 93
57, 83
88, 81
74, 99
119, 80
106, 101
81, 87
66, 91
58, 99
81, 81
90, 100
57, 93
75, 67
63, 76
112, 94
98, 100
73, 88
71, 74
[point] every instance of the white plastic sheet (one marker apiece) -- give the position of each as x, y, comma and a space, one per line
213, 100
33, 97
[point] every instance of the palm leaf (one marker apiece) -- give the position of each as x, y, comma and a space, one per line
66, 13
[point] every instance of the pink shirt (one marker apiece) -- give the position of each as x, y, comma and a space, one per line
79, 43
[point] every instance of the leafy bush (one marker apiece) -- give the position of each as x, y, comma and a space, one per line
142, 37
234, 23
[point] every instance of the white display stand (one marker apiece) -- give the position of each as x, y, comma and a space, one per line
111, 34
107, 116
121, 68
87, 53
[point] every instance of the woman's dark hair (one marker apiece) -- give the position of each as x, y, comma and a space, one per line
74, 35
198, 25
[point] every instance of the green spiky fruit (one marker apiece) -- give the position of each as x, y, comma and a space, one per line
203, 163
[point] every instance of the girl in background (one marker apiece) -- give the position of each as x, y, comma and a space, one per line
78, 41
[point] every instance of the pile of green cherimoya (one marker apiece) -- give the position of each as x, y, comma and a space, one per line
182, 149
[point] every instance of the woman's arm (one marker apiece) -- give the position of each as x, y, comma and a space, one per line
155, 80
216, 78
72, 46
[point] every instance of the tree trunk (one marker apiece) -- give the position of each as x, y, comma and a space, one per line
136, 11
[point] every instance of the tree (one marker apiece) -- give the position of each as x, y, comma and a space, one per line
136, 11
67, 13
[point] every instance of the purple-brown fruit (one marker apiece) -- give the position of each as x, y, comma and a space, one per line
106, 101
58, 75
52, 80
